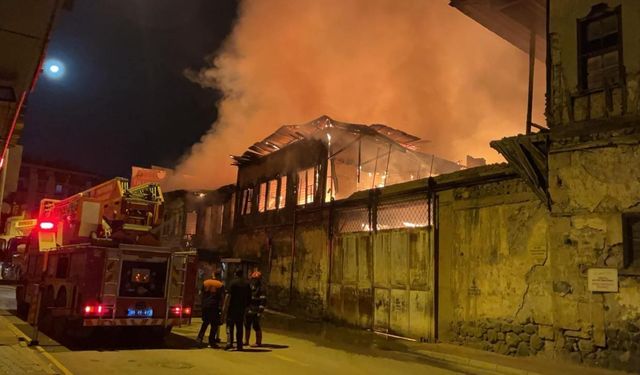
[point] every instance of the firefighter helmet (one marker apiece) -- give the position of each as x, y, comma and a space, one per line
256, 275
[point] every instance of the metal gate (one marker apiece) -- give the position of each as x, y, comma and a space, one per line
384, 281
403, 283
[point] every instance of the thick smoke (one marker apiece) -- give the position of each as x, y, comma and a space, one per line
419, 66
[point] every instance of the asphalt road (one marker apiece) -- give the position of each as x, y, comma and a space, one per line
300, 348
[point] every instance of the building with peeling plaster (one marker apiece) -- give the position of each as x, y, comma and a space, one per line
537, 256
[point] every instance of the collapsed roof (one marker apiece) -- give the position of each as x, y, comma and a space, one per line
359, 157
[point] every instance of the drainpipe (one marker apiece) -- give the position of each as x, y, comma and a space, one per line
293, 254
433, 222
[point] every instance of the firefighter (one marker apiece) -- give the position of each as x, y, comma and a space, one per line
212, 297
256, 308
235, 306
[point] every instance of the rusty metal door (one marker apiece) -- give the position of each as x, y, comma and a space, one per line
403, 283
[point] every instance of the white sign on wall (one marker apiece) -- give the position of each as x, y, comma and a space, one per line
602, 279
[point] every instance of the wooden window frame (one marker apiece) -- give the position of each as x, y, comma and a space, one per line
628, 256
598, 12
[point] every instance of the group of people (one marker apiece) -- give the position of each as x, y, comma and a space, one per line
240, 306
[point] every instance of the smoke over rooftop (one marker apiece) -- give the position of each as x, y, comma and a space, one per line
419, 66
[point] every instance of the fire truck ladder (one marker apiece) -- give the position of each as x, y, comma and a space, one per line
111, 280
177, 281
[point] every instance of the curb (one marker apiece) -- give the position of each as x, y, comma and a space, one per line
23, 337
473, 363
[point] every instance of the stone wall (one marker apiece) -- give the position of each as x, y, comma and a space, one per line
591, 187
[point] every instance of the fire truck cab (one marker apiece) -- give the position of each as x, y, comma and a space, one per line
93, 261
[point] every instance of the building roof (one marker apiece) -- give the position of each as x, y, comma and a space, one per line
512, 20
318, 129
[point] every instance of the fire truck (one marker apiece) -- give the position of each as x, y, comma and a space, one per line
93, 262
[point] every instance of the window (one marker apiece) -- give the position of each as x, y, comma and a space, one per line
631, 240
58, 189
599, 48
247, 197
262, 197
282, 197
272, 194
307, 185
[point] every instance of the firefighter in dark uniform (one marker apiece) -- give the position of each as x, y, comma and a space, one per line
235, 305
256, 308
212, 298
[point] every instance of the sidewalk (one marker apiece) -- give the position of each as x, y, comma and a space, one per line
455, 356
16, 357
483, 360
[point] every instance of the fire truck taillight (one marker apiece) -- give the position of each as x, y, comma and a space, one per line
180, 311
46, 225
96, 310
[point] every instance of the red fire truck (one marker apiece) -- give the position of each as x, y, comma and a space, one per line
93, 261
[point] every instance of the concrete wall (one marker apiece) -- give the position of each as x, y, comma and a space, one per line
568, 103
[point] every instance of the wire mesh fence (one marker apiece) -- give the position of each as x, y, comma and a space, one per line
406, 214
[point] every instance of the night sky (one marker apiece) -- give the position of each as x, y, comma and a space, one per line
123, 99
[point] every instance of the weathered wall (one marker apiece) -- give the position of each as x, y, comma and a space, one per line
591, 188
494, 284
305, 291
568, 103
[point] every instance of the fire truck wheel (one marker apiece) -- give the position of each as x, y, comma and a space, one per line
158, 334
59, 327
22, 308
45, 322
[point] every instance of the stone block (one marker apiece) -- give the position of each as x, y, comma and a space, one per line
492, 336
546, 332
523, 349
502, 348
517, 328
536, 342
579, 334
632, 328
586, 346
530, 329
507, 327
501, 336
512, 339
524, 336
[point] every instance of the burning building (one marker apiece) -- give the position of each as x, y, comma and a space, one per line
326, 160
537, 256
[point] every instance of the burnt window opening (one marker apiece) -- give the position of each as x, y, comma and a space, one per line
307, 185
262, 197
600, 49
631, 240
282, 196
245, 204
272, 194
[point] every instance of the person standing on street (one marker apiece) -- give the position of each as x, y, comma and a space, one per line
212, 297
235, 306
256, 308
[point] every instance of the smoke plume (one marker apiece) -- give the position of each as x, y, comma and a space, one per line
419, 66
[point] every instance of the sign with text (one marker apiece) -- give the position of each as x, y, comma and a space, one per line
602, 279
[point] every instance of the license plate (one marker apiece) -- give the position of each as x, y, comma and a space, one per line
140, 313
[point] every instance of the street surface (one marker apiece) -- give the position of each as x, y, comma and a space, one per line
295, 348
